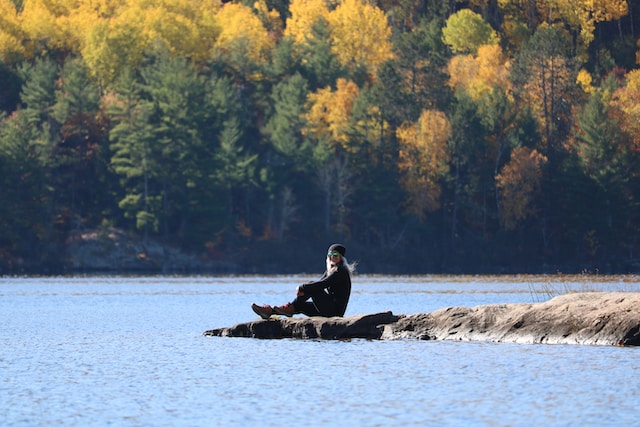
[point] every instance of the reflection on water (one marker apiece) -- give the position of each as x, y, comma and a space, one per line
129, 351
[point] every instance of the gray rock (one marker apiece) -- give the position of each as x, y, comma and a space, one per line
114, 250
593, 318
328, 328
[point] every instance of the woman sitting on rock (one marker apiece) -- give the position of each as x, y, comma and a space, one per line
329, 295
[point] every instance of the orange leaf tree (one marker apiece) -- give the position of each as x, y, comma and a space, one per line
519, 182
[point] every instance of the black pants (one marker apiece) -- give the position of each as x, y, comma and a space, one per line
321, 304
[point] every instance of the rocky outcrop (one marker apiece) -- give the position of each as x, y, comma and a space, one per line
330, 328
593, 318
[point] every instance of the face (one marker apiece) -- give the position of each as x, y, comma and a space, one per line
334, 256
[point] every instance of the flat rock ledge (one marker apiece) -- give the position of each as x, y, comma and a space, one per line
591, 318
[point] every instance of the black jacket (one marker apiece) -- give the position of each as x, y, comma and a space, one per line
336, 284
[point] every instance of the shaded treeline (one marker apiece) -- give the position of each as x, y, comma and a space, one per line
427, 136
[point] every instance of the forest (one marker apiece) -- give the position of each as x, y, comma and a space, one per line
428, 136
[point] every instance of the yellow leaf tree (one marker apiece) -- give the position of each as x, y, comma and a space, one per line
579, 15
423, 159
111, 34
330, 114
39, 19
115, 44
484, 78
243, 33
626, 100
582, 15
329, 125
304, 14
465, 31
62, 24
361, 35
11, 35
479, 74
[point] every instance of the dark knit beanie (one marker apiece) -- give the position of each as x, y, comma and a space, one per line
338, 248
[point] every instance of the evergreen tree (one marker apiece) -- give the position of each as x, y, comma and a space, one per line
42, 139
320, 65
470, 179
286, 122
176, 92
79, 157
9, 88
26, 238
38, 94
131, 139
605, 159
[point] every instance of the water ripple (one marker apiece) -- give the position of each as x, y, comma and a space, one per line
129, 351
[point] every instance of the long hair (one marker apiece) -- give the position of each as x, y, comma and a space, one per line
351, 267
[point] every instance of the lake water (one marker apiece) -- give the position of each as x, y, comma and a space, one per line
92, 351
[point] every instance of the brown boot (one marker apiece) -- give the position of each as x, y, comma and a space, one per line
285, 310
264, 311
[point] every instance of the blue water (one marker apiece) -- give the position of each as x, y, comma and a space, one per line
92, 351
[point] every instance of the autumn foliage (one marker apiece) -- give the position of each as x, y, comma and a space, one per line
468, 135
519, 184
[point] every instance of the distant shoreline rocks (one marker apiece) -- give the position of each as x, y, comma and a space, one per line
112, 250
587, 318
